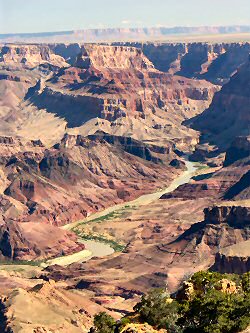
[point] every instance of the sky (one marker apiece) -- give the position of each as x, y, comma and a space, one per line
59, 15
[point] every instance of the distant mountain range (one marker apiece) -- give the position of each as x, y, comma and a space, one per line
127, 34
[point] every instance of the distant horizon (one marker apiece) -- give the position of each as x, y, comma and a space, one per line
126, 28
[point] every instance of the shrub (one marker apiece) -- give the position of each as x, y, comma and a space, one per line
104, 323
157, 309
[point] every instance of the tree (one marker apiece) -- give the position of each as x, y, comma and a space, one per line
104, 323
215, 311
157, 309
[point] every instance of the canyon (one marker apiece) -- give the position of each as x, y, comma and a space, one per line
144, 147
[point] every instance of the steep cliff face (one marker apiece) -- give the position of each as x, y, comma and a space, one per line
236, 216
113, 57
240, 190
233, 259
156, 154
68, 51
75, 108
79, 175
215, 62
49, 308
229, 113
29, 55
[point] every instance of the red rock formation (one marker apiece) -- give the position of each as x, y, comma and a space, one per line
213, 62
79, 175
26, 241
223, 226
120, 85
234, 216
29, 55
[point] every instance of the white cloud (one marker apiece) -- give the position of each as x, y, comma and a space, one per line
125, 22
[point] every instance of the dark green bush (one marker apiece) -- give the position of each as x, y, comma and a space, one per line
156, 310
104, 323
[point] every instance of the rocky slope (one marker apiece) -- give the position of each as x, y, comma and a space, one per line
26, 241
215, 62
229, 182
223, 226
117, 84
44, 308
228, 115
49, 176
239, 149
67, 182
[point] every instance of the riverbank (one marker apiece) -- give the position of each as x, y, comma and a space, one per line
97, 245
142, 200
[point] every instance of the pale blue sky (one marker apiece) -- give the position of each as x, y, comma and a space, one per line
58, 15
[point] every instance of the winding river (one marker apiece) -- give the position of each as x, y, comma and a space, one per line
99, 249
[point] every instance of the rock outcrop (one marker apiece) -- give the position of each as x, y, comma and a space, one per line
26, 241
233, 259
117, 89
78, 176
112, 57
235, 216
29, 55
156, 154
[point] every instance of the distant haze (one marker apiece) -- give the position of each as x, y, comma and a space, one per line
177, 34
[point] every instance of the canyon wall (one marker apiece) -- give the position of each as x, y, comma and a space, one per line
215, 62
228, 116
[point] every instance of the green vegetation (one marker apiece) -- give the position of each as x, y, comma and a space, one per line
211, 310
104, 323
157, 309
208, 308
115, 245
106, 217
112, 215
202, 167
79, 230
21, 262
